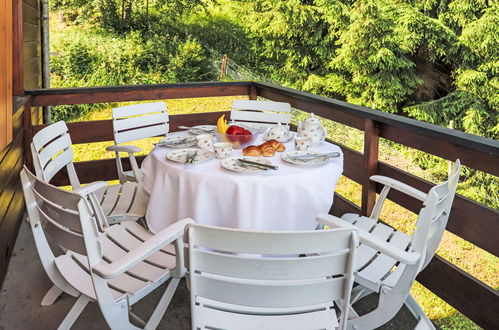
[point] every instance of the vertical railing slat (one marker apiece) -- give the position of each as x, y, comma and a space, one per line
371, 146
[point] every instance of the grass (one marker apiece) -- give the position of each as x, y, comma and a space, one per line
463, 254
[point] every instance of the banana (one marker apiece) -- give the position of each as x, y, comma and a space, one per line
222, 124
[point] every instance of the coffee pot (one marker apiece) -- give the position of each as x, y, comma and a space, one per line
311, 127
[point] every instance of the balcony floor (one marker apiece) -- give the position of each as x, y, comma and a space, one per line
26, 283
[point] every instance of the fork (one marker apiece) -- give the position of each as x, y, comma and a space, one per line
191, 157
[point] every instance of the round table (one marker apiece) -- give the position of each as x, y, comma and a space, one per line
286, 199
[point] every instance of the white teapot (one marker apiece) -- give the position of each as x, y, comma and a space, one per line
311, 127
279, 133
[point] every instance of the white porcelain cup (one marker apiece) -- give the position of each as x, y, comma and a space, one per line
223, 149
302, 143
205, 141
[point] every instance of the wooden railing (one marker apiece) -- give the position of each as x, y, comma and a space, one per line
469, 220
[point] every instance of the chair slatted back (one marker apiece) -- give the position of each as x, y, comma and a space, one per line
57, 211
140, 121
433, 217
266, 112
265, 270
51, 151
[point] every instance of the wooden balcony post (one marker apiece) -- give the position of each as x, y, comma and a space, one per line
252, 93
28, 135
370, 166
17, 51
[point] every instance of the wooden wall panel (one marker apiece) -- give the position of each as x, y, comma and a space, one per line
6, 73
11, 198
28, 67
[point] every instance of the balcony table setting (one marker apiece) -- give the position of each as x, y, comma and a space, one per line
259, 178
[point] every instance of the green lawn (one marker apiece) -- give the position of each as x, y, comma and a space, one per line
468, 257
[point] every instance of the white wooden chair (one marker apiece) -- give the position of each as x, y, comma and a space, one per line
388, 260
269, 280
265, 113
113, 266
136, 122
51, 151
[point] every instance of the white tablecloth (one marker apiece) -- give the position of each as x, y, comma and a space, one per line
286, 199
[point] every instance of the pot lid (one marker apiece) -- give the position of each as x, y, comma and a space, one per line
312, 119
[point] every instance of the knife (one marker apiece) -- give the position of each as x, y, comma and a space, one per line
272, 167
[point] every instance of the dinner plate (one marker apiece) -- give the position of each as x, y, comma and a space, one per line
288, 137
177, 141
232, 164
182, 155
304, 158
202, 129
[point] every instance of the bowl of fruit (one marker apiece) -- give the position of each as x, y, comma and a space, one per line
237, 134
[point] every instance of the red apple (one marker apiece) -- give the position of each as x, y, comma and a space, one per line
234, 130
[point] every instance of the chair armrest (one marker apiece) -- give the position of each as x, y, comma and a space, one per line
143, 251
409, 258
392, 183
91, 187
124, 148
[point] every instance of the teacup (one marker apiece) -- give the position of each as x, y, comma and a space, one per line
223, 149
278, 132
205, 141
302, 143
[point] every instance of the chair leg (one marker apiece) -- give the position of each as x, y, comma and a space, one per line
416, 310
50, 297
165, 300
74, 312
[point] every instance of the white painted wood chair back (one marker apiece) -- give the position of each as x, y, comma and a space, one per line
51, 151
101, 264
132, 123
269, 280
266, 113
430, 226
390, 260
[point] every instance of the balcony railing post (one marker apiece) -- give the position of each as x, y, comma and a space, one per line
371, 145
28, 134
252, 93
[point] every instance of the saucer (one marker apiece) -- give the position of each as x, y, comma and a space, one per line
284, 139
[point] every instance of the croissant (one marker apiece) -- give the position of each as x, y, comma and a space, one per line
267, 150
278, 146
252, 151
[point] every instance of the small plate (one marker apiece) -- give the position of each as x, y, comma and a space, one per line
304, 158
177, 141
203, 129
232, 164
180, 156
288, 137
256, 128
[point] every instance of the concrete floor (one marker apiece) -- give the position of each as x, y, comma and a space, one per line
26, 283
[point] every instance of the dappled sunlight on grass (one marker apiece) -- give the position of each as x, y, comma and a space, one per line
443, 314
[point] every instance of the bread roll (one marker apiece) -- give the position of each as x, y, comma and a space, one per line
252, 151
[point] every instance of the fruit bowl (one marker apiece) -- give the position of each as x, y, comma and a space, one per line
238, 141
